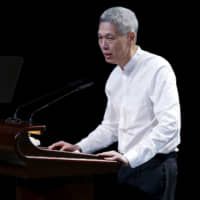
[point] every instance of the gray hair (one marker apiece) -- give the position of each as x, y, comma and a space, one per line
124, 18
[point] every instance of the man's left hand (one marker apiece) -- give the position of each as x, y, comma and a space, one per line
113, 155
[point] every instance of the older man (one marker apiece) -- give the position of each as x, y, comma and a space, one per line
142, 114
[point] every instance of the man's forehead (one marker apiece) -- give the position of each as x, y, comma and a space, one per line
106, 33
106, 28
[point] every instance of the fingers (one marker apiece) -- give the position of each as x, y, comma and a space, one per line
57, 145
107, 154
114, 156
54, 145
110, 155
64, 146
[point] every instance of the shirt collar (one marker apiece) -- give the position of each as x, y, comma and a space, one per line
130, 65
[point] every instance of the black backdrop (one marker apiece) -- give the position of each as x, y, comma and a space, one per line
59, 46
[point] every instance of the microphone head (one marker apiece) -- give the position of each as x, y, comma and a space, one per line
86, 85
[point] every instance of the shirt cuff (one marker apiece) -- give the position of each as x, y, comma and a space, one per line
84, 147
132, 157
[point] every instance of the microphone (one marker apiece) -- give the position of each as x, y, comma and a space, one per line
20, 107
82, 87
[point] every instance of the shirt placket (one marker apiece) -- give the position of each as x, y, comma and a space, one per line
123, 99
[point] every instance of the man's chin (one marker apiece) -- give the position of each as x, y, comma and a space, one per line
110, 61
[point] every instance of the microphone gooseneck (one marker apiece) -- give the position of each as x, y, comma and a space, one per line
20, 107
82, 87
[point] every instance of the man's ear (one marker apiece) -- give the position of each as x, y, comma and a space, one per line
132, 37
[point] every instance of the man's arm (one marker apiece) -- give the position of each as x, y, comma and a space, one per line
165, 136
104, 135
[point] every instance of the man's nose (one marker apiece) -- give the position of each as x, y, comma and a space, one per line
104, 44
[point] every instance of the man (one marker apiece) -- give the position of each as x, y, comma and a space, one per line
142, 114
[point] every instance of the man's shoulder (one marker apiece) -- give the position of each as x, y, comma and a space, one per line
153, 59
156, 65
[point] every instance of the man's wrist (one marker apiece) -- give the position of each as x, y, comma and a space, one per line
77, 148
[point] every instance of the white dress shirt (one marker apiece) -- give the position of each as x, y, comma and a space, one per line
143, 111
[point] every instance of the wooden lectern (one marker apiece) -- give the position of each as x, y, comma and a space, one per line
44, 174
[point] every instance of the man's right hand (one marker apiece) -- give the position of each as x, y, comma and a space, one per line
64, 146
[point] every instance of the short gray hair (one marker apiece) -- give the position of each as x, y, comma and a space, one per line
123, 17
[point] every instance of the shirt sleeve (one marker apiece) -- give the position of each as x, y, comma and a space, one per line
166, 110
104, 135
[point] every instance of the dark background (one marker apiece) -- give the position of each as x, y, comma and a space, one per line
59, 46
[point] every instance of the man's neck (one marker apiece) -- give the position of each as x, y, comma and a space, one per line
132, 53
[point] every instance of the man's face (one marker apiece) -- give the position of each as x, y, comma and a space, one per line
114, 46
